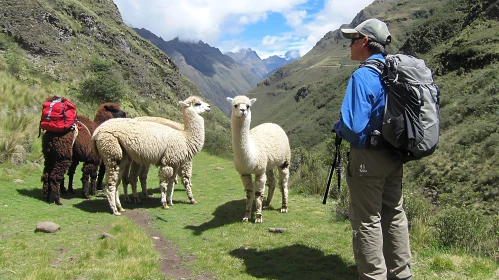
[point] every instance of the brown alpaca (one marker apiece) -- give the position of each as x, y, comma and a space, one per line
61, 154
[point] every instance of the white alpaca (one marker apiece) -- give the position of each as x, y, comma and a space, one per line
258, 151
139, 172
120, 142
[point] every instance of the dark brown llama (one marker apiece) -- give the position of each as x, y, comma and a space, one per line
62, 155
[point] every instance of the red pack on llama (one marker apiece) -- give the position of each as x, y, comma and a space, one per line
58, 114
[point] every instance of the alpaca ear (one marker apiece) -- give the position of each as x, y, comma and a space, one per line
252, 101
230, 99
184, 104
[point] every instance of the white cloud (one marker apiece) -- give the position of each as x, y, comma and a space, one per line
210, 20
295, 18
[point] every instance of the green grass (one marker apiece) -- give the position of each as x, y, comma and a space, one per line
314, 246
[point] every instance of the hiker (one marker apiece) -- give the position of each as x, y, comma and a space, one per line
380, 233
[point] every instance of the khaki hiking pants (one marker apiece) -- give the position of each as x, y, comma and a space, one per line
380, 231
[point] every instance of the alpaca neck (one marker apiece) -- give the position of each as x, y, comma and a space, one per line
241, 141
193, 130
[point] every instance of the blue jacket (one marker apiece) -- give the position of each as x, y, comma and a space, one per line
363, 106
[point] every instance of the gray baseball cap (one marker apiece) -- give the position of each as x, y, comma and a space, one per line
373, 28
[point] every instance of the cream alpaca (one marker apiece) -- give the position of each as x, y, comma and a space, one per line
141, 171
258, 151
120, 142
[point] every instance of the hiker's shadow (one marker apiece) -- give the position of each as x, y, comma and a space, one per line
228, 213
294, 262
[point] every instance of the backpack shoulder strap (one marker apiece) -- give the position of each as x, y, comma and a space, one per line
375, 64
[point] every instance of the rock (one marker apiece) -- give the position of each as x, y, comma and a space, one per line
105, 235
48, 227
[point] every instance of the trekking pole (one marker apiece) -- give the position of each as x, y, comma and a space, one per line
337, 144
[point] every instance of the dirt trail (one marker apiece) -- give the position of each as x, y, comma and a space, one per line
174, 264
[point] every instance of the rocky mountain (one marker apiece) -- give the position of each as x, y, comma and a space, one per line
458, 40
274, 62
250, 60
217, 75
262, 67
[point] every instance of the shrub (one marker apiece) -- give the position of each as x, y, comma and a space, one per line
342, 204
308, 172
467, 229
102, 87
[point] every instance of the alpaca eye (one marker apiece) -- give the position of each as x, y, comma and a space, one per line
197, 104
235, 106
249, 106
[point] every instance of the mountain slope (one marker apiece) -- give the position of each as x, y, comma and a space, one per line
458, 40
217, 75
250, 60
62, 40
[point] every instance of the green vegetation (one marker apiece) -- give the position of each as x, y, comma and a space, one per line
209, 233
458, 40
82, 50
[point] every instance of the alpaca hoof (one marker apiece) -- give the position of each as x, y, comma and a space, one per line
193, 201
245, 220
86, 196
170, 203
258, 220
58, 203
165, 206
284, 210
117, 213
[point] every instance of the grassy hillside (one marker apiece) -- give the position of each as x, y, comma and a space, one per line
458, 39
84, 51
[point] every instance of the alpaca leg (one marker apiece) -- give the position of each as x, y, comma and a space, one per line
186, 174
283, 185
85, 176
122, 169
171, 187
93, 179
71, 174
45, 180
56, 176
112, 180
62, 188
259, 193
250, 195
133, 179
165, 183
100, 176
144, 170
125, 180
271, 184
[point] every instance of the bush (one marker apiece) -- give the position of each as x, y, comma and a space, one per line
467, 229
102, 87
309, 172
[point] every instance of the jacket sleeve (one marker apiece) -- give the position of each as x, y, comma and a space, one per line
355, 110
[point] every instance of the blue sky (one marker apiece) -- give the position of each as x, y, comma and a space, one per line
269, 27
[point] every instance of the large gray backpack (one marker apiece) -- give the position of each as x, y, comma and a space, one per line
411, 122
